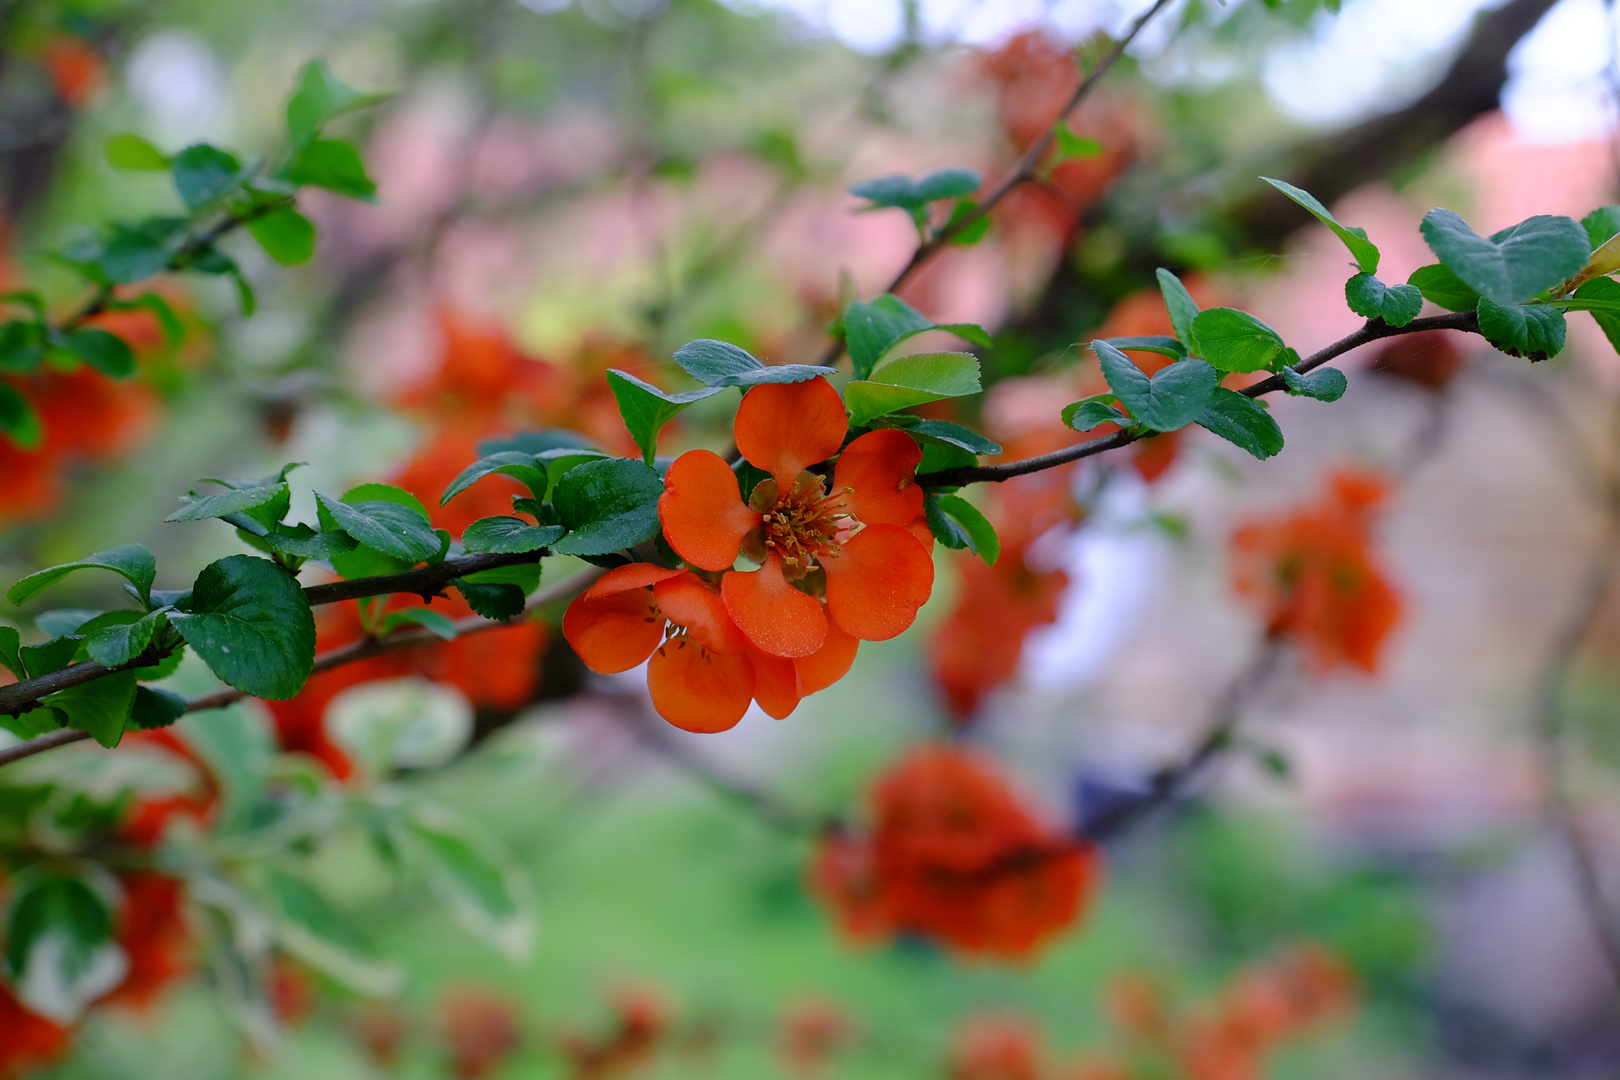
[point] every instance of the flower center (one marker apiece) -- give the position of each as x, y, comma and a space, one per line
802, 526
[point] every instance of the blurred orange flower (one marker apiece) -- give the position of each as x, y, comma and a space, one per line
480, 1030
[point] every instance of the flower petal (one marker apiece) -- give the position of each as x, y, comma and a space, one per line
776, 683
829, 663
634, 576
697, 690
704, 517
878, 581
774, 616
614, 632
691, 602
879, 468
784, 428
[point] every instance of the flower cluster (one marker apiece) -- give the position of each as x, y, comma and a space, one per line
1313, 577
952, 855
838, 560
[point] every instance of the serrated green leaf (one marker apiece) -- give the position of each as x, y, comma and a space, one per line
1233, 340
607, 506
518, 464
107, 353
1323, 384
873, 328
114, 646
719, 363
10, 657
1241, 421
100, 706
18, 420
1535, 331
1171, 399
1370, 298
286, 235
942, 432
154, 707
1601, 297
1181, 306
398, 531
1095, 411
1440, 285
303, 542
133, 561
1364, 250
252, 624
509, 535
333, 164
55, 654
912, 380
1512, 265
957, 523
127, 151
499, 602
1601, 225
646, 409
436, 621
1153, 343
239, 501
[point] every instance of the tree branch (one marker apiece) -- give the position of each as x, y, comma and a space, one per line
1373, 330
363, 649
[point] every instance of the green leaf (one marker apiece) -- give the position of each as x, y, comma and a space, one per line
948, 184
1234, 340
18, 419
1067, 145
251, 623
174, 331
1440, 285
517, 464
242, 500
100, 706
203, 174
1171, 399
320, 96
1095, 411
1535, 331
914, 196
303, 542
48, 656
401, 532
22, 346
127, 151
313, 931
912, 380
499, 602
436, 621
1242, 421
132, 561
1364, 250
971, 234
155, 707
941, 432
1514, 264
134, 251
1181, 306
114, 646
1601, 225
107, 353
646, 409
1370, 298
872, 329
10, 643
1153, 343
60, 621
401, 723
477, 879
1601, 296
607, 506
286, 235
333, 164
509, 535
60, 953
957, 523
1323, 384
718, 363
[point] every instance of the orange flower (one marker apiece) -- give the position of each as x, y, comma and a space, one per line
75, 68
997, 1048
27, 1041
953, 856
1313, 576
852, 542
152, 932
640, 1023
703, 671
811, 1032
480, 1030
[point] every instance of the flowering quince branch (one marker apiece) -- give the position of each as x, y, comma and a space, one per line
362, 649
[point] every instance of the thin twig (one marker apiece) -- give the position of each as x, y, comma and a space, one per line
363, 649
1373, 330
1023, 171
